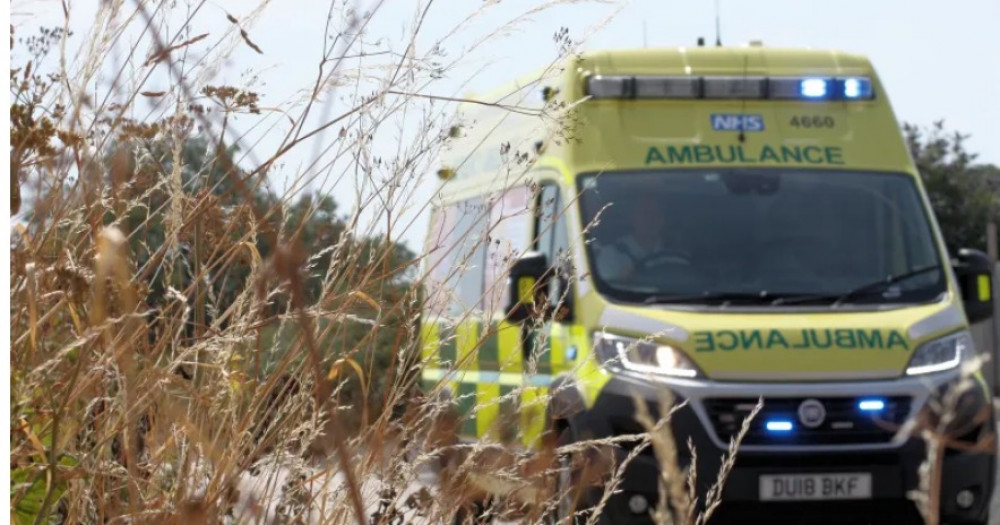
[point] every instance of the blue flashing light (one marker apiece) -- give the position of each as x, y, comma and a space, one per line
778, 425
871, 405
813, 88
852, 88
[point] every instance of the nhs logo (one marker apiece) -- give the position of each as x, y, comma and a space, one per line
737, 122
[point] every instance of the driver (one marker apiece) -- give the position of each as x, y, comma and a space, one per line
644, 237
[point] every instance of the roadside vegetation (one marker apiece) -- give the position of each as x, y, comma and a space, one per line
191, 344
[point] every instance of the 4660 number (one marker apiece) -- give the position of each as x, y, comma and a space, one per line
814, 121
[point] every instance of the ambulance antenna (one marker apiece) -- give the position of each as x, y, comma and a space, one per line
718, 32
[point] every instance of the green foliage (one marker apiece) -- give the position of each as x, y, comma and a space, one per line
959, 188
362, 277
29, 485
30, 502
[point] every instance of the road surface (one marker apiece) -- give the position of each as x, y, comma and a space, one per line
261, 496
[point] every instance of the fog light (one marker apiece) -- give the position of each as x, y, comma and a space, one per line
871, 405
965, 499
638, 504
778, 426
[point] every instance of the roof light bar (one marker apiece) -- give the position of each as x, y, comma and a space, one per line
610, 87
735, 87
667, 87
800, 88
804, 88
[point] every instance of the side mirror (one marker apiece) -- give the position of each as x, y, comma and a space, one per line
974, 270
524, 283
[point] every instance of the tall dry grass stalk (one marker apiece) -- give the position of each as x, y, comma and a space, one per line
949, 421
190, 345
187, 343
678, 495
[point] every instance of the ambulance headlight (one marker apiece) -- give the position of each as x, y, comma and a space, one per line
941, 354
642, 356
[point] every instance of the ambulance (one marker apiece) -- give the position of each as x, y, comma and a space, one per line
730, 225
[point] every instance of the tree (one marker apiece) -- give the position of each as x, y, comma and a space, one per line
960, 190
364, 277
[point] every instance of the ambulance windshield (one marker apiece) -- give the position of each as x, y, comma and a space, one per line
760, 237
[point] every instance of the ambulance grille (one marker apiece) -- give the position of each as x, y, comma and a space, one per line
845, 423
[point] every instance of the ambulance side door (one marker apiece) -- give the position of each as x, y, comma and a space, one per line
544, 342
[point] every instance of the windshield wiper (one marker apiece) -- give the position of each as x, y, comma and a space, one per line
713, 297
864, 289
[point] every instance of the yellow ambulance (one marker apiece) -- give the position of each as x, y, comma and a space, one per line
729, 224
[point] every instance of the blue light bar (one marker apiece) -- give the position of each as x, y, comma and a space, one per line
871, 405
813, 88
778, 425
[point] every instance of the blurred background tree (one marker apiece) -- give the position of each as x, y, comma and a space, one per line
965, 194
365, 276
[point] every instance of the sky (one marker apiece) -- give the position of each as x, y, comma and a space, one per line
936, 60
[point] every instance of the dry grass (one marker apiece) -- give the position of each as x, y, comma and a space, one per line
946, 423
189, 345
678, 494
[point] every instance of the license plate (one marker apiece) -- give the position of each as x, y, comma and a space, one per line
813, 487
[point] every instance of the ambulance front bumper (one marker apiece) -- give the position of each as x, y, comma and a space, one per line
889, 458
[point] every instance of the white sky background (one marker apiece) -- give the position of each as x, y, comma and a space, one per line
936, 59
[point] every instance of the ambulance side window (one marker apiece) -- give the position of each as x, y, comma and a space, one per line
469, 241
510, 229
552, 239
438, 278
550, 227
456, 250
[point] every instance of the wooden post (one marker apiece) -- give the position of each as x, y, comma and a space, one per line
991, 239
991, 249
995, 325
